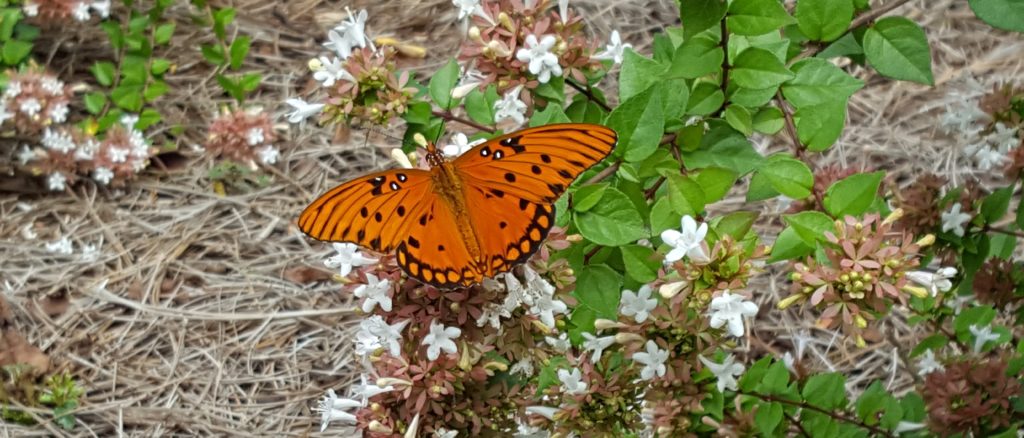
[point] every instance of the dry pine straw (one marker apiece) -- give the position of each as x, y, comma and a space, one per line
211, 321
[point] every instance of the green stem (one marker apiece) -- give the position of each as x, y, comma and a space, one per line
835, 416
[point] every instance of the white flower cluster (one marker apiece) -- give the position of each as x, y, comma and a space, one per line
41, 98
964, 119
329, 69
334, 408
80, 10
536, 294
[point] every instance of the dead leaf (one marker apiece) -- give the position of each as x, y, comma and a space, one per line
14, 349
306, 274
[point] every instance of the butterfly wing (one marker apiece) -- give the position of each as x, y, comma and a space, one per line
373, 211
433, 249
536, 164
511, 182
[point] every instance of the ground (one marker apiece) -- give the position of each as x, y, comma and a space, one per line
206, 314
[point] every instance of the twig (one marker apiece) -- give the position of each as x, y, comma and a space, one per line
447, 115
603, 174
725, 67
796, 422
835, 416
590, 95
1003, 231
798, 148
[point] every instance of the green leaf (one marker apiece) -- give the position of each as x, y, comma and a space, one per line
810, 225
598, 288
736, 224
819, 126
15, 50
640, 124
759, 68
663, 216
824, 20
898, 48
221, 19
155, 89
94, 102
612, 222
698, 56
159, 66
685, 195
760, 189
934, 342
847, 45
768, 417
442, 83
756, 17
1020, 216
724, 148
114, 33
739, 118
789, 246
586, 197
551, 114
638, 74
675, 94
8, 18
213, 54
480, 105
700, 15
776, 380
239, 48
994, 206
104, 72
769, 120
640, 262
127, 97
788, 176
163, 33
853, 195
1003, 14
715, 182
148, 117
818, 81
826, 391
250, 81
705, 98
752, 377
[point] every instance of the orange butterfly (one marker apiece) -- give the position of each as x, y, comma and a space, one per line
466, 219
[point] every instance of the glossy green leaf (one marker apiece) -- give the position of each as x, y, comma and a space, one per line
1003, 14
819, 126
826, 391
756, 17
700, 15
740, 119
613, 221
852, 195
640, 124
442, 83
104, 72
758, 68
810, 225
685, 195
715, 182
638, 74
824, 20
898, 48
698, 56
788, 176
818, 81
239, 48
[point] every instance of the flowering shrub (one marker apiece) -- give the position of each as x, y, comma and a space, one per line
627, 321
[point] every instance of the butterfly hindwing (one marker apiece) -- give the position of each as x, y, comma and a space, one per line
433, 250
509, 229
373, 211
536, 164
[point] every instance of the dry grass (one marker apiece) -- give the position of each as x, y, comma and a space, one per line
201, 328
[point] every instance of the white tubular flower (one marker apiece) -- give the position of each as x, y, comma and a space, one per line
333, 408
545, 307
268, 154
989, 158
935, 282
686, 243
560, 344
302, 110
56, 181
726, 372
510, 107
614, 49
440, 338
348, 34
653, 360
389, 335
572, 382
61, 246
544, 411
467, 7
460, 144
331, 71
927, 364
954, 220
982, 336
541, 62
639, 304
445, 433
730, 309
348, 256
596, 345
374, 292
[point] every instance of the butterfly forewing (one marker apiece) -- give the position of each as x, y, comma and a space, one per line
536, 164
373, 211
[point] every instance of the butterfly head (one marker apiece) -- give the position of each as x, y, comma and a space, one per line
435, 157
